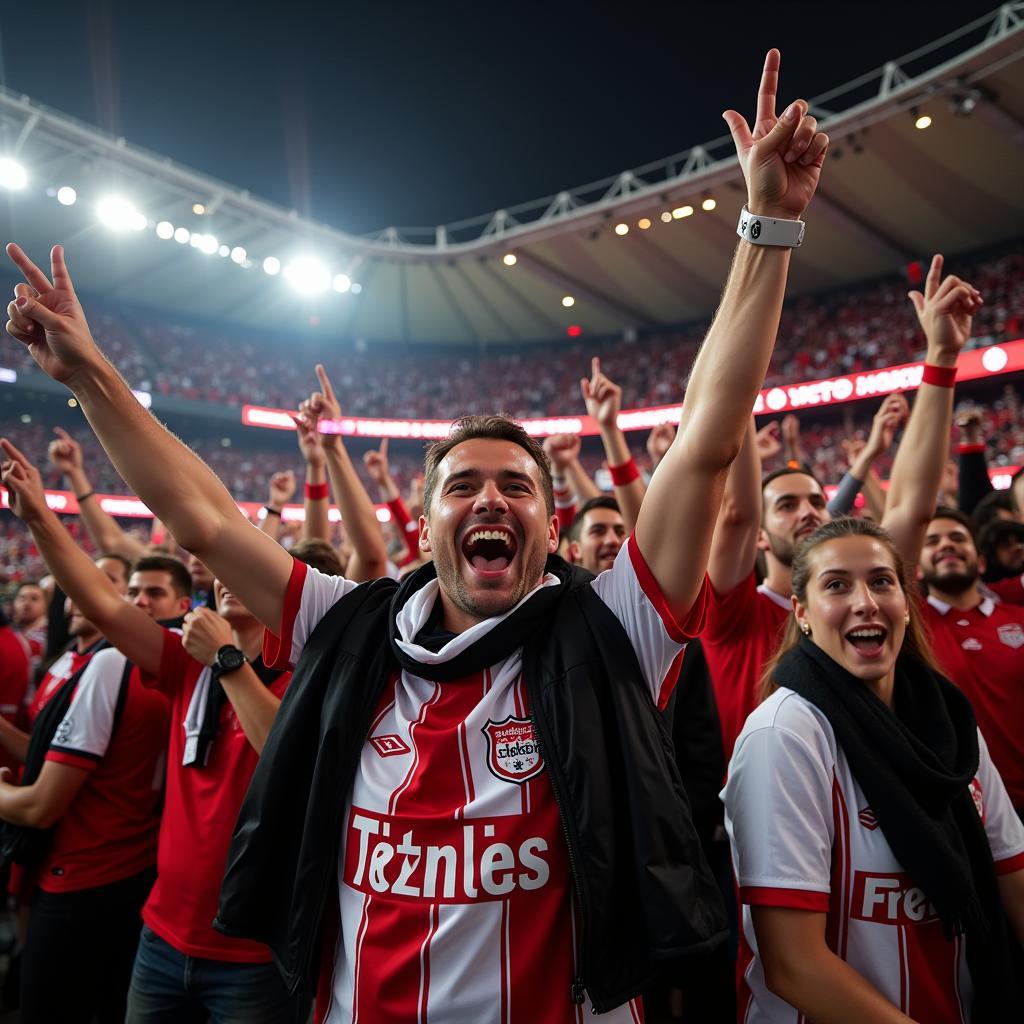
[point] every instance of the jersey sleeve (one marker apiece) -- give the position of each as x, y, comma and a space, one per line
84, 733
1002, 826
174, 661
778, 813
310, 595
630, 590
1010, 591
729, 614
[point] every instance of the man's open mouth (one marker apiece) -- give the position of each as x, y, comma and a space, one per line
491, 549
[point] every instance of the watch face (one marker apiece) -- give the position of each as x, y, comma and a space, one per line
230, 658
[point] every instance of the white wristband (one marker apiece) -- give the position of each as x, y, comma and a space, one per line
769, 230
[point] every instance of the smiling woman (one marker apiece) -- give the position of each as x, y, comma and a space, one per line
857, 718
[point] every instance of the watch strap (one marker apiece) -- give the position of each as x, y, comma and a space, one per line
759, 230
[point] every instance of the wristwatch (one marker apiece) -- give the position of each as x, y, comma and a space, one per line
229, 659
758, 230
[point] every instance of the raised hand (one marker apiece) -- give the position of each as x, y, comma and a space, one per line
659, 440
282, 488
562, 450
321, 405
891, 415
768, 443
781, 157
969, 422
25, 492
65, 453
945, 310
376, 462
47, 317
602, 395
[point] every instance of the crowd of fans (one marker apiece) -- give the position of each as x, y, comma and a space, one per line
845, 331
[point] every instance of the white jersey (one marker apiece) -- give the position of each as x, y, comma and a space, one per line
803, 836
454, 884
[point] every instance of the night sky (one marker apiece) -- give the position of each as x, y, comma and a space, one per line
371, 114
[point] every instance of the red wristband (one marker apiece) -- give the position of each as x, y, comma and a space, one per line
624, 474
317, 492
940, 376
971, 449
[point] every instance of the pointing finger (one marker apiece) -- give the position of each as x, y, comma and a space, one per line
59, 270
931, 282
325, 383
769, 86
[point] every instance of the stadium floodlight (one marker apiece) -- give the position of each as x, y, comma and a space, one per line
568, 300
118, 214
509, 259
271, 265
682, 211
165, 229
666, 216
924, 121
12, 174
66, 195
238, 254
183, 236
198, 209
208, 244
308, 275
643, 223
342, 282
622, 229
224, 250
356, 289
708, 204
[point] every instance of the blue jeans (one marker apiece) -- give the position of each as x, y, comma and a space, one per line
169, 987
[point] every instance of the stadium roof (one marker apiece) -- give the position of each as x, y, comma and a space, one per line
892, 192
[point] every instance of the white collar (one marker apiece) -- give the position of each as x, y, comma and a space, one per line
414, 614
774, 595
987, 606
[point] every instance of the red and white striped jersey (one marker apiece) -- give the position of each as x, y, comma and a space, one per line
803, 836
454, 883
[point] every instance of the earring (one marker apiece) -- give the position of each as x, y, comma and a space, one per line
805, 629
906, 621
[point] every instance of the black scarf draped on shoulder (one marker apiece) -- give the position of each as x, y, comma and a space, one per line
915, 764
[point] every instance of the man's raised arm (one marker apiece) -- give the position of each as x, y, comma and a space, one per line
172, 480
781, 160
945, 311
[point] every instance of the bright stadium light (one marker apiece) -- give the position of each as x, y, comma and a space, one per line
342, 282
666, 216
66, 195
12, 174
182, 236
709, 204
118, 214
271, 265
924, 121
356, 289
165, 229
238, 254
682, 211
224, 250
208, 244
308, 276
568, 300
622, 229
643, 223
198, 209
509, 259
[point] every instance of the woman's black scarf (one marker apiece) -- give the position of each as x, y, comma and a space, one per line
914, 764
497, 643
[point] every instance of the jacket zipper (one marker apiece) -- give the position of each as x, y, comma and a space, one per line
577, 992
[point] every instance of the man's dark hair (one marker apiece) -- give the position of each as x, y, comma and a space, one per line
319, 554
990, 506
995, 532
27, 583
785, 471
181, 578
115, 556
601, 501
492, 428
948, 512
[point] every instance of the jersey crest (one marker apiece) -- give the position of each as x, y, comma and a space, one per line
1012, 634
513, 754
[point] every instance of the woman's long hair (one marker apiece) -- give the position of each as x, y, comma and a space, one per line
916, 641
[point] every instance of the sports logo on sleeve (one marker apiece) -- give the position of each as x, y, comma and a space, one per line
513, 754
389, 745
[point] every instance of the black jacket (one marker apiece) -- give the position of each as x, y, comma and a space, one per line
643, 888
